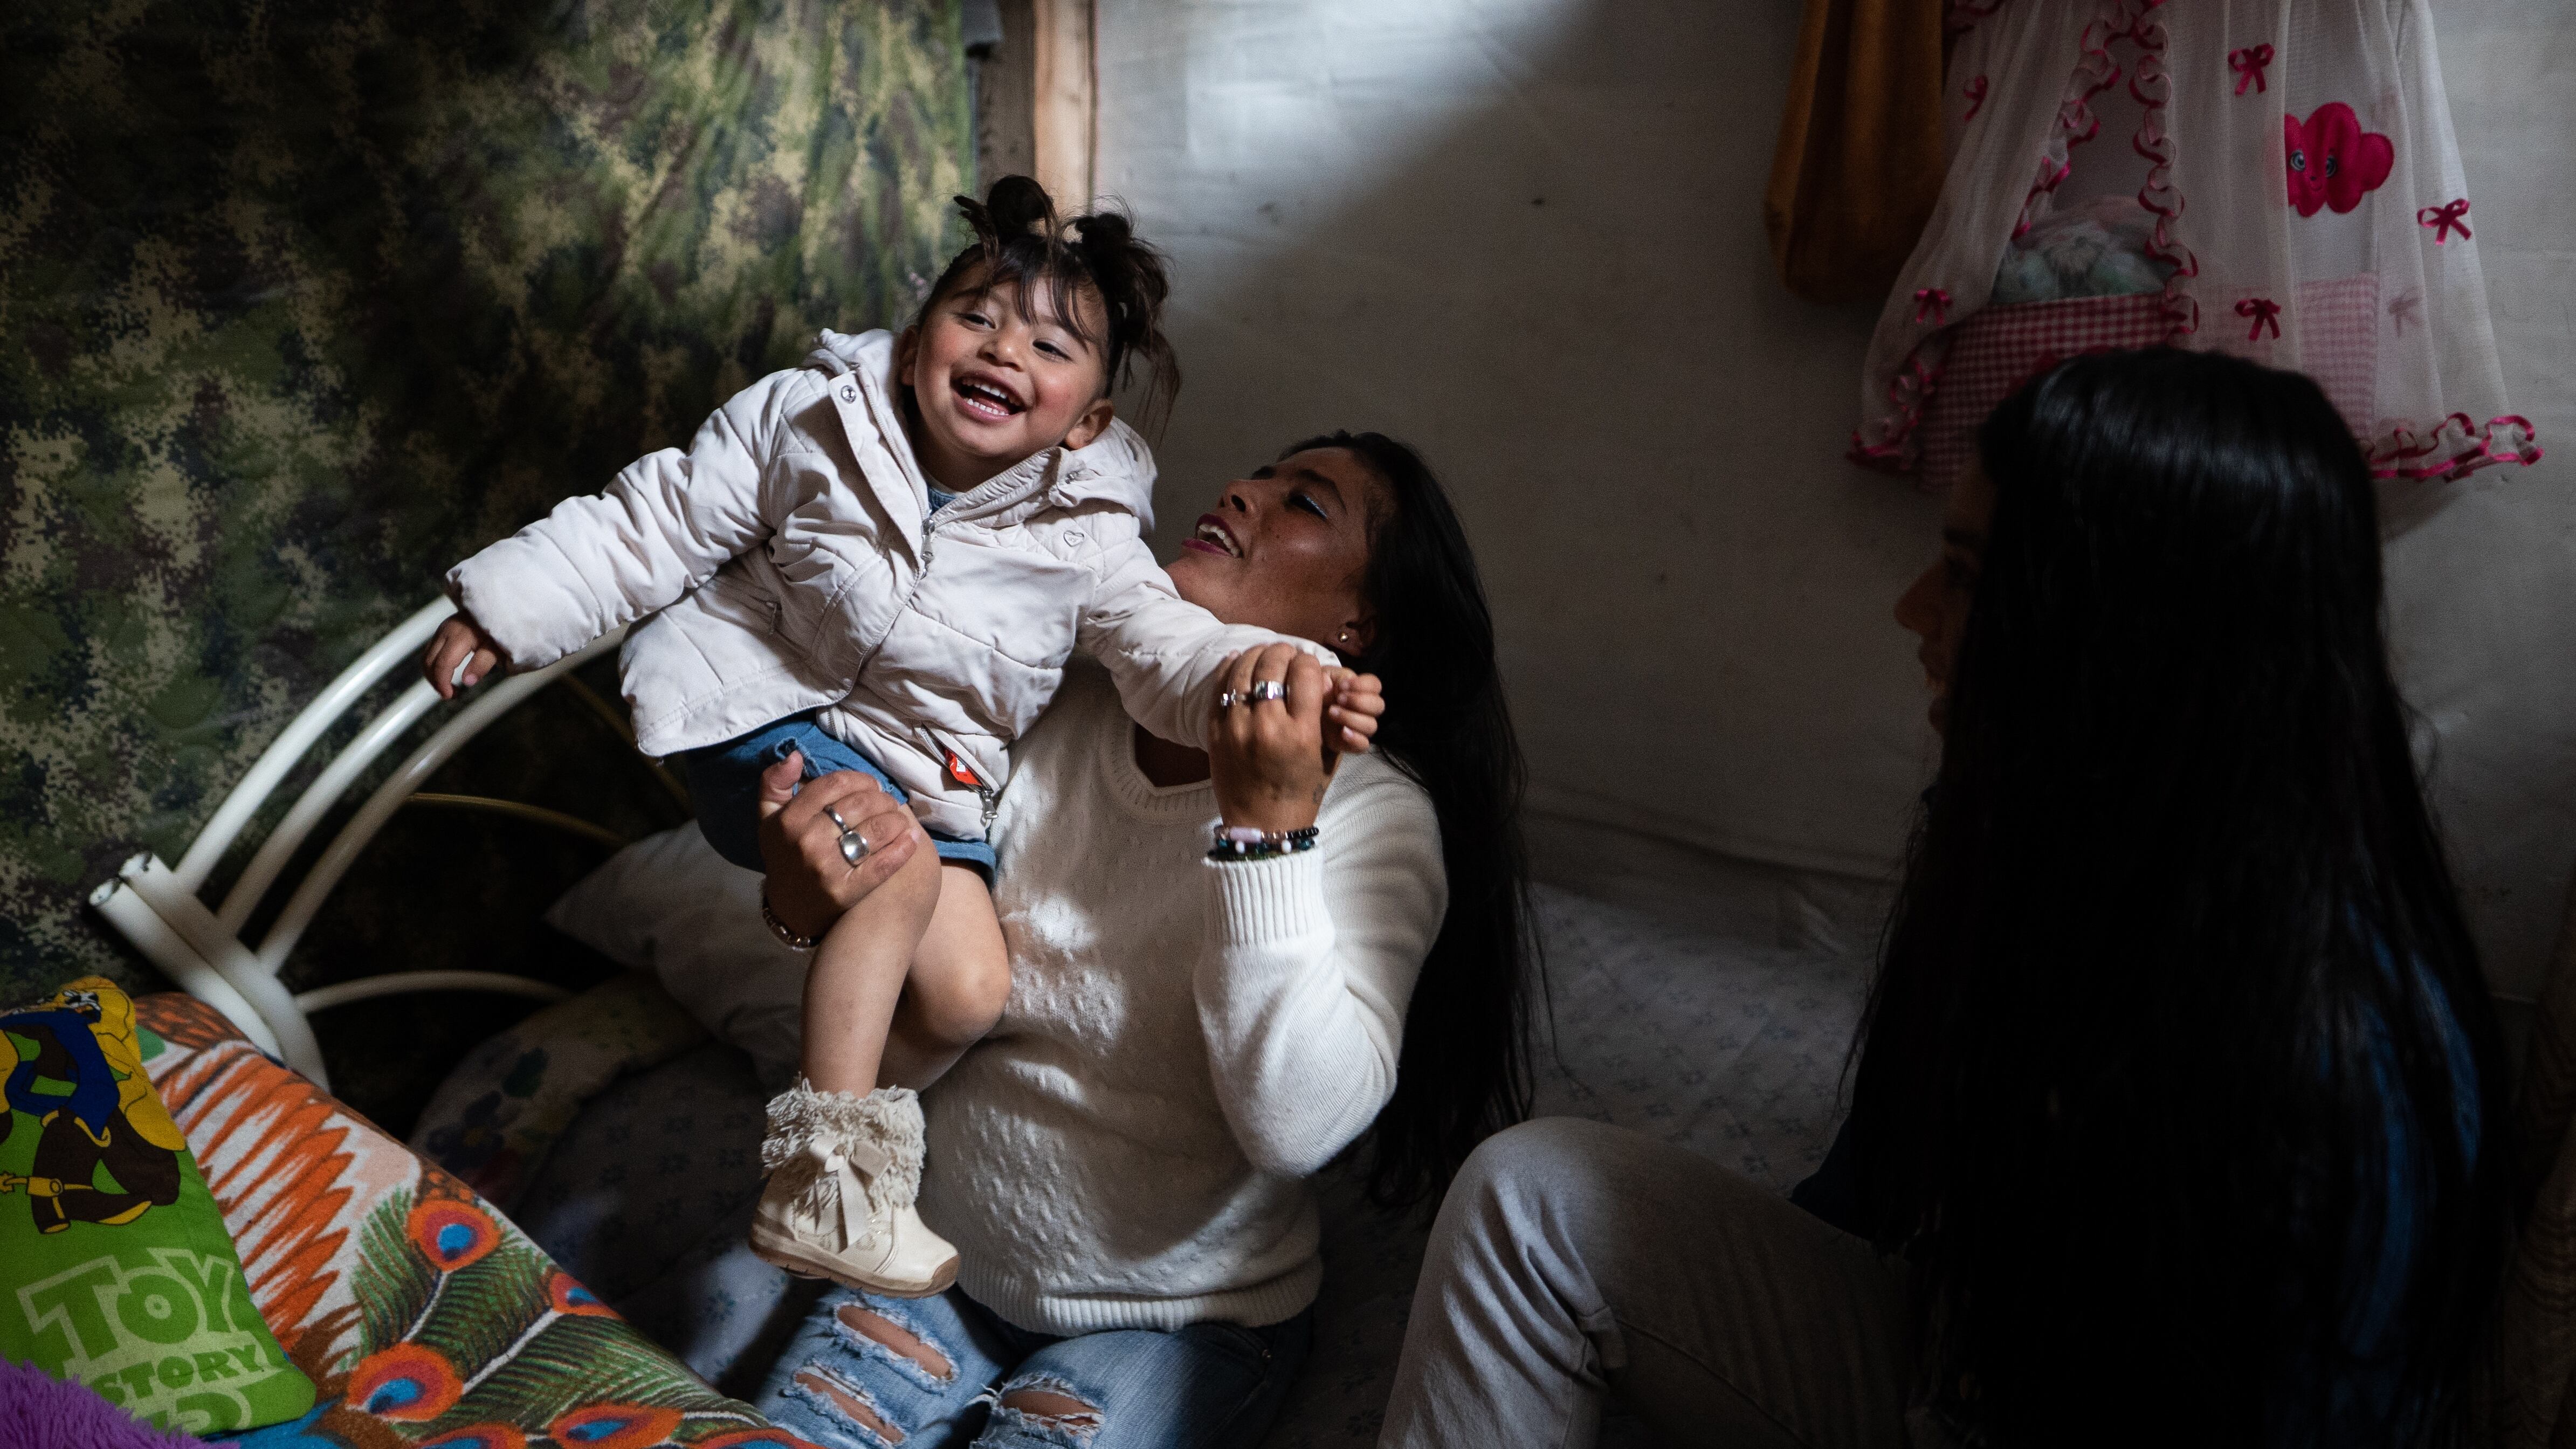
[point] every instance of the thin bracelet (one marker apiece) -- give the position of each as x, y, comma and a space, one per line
1242, 842
778, 928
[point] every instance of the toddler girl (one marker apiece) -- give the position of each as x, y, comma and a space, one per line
881, 561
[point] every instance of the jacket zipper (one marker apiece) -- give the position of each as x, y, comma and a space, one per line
957, 767
919, 576
984, 791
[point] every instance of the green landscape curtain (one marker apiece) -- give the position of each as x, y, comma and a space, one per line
304, 301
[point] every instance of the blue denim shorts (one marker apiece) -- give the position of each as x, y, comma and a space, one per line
1206, 1386
724, 786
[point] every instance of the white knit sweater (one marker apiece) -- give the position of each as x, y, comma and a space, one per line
1185, 1042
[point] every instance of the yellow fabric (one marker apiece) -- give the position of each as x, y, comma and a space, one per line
118, 1043
1859, 162
114, 1032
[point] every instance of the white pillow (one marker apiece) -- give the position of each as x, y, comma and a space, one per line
670, 905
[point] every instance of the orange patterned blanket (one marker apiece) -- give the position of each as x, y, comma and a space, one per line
422, 1314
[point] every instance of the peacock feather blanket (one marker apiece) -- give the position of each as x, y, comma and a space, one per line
422, 1315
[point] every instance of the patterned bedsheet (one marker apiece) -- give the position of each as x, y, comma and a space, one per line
424, 1317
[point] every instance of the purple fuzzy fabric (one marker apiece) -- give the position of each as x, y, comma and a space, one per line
38, 1411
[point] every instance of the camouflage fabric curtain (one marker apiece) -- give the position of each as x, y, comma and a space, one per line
305, 299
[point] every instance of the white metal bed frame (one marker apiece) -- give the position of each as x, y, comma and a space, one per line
157, 906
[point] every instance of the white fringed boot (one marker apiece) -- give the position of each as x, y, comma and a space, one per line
843, 1172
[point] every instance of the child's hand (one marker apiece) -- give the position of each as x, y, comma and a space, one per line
1351, 711
460, 642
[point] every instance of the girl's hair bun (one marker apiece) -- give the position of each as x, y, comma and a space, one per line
1020, 240
1103, 231
1015, 206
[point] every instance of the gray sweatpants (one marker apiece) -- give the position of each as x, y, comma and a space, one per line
1573, 1261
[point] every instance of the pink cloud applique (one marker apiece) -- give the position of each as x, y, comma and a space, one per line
2332, 160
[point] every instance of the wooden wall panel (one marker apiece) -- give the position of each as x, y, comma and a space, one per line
1039, 99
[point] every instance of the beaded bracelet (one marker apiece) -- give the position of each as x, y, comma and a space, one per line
1242, 842
778, 928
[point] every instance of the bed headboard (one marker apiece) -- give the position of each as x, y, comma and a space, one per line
158, 906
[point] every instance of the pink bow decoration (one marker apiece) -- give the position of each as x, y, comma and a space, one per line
2404, 309
1976, 94
2264, 311
2248, 65
2445, 219
1932, 304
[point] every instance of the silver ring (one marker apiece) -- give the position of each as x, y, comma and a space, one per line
1267, 689
854, 846
835, 817
1228, 699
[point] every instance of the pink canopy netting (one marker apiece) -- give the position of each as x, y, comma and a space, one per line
2289, 192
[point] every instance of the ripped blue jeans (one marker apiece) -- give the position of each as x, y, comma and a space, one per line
844, 1385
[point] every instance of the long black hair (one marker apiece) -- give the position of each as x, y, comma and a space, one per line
2177, 1002
1464, 1073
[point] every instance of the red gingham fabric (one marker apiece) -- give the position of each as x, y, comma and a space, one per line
1999, 347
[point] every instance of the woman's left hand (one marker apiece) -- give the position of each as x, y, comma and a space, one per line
1267, 757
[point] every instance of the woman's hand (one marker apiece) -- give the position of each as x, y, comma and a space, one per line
1267, 757
460, 640
809, 883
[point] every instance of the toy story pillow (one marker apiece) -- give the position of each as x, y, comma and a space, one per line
115, 1268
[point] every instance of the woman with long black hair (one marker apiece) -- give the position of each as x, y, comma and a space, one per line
1196, 1025
2175, 1111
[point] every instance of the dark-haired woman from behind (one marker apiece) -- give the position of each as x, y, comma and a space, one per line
2176, 1104
1195, 1025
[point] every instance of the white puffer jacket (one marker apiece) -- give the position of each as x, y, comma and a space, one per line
785, 561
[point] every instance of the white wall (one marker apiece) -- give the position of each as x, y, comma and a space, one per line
1526, 235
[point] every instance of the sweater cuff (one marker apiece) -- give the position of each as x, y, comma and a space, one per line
1277, 899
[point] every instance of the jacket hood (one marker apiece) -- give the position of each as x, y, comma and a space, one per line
1117, 468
